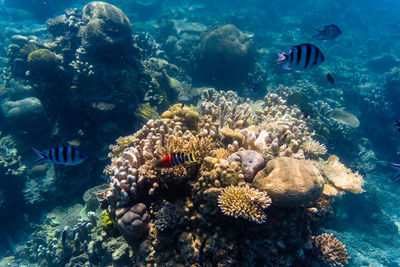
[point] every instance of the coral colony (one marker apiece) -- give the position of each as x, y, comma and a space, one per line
200, 176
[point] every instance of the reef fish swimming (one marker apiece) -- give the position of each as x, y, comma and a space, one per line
397, 125
329, 32
397, 166
174, 159
63, 155
301, 57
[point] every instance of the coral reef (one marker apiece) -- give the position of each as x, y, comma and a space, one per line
173, 216
290, 182
330, 250
244, 202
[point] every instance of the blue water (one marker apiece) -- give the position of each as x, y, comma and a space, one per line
89, 99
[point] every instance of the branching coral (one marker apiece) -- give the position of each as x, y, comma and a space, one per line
339, 178
244, 202
186, 115
330, 250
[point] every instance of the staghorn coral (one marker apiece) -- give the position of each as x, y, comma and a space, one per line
338, 178
244, 202
330, 250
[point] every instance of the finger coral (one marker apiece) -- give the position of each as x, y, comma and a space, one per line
330, 250
244, 202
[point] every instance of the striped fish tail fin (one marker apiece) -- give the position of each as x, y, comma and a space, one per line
42, 155
190, 158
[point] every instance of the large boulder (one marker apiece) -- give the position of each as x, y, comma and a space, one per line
250, 161
290, 182
225, 56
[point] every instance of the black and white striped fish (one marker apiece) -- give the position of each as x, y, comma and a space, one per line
64, 155
301, 57
329, 32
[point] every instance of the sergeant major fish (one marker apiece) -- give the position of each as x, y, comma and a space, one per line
329, 32
397, 166
301, 57
63, 155
174, 159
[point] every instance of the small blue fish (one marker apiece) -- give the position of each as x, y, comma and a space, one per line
329, 32
397, 166
301, 57
63, 155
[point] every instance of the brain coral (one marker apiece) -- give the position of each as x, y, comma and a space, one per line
330, 249
244, 202
290, 182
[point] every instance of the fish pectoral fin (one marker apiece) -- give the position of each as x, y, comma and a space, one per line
396, 178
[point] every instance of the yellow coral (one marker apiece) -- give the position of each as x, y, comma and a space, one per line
230, 133
244, 202
330, 250
221, 153
313, 147
340, 177
188, 116
147, 112
123, 142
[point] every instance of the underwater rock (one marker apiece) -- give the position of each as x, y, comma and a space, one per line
225, 56
27, 110
290, 182
133, 222
107, 30
251, 162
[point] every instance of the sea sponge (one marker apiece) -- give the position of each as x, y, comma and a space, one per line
339, 178
330, 250
43, 62
244, 202
290, 182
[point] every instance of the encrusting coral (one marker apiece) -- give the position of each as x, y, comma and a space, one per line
244, 202
330, 250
